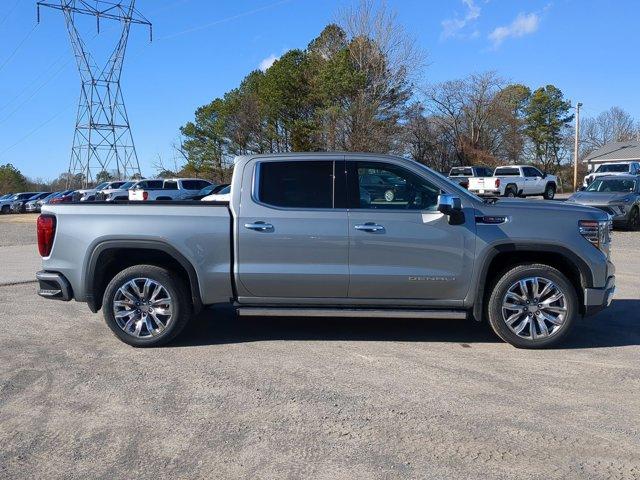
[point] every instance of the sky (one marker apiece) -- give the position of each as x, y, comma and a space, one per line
203, 48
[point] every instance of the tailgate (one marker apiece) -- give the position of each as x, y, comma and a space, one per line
478, 183
138, 195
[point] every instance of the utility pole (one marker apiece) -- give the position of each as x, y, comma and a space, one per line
102, 139
575, 148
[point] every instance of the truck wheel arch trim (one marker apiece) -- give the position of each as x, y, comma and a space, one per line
586, 276
157, 245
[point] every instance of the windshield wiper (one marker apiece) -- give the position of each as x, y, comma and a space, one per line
491, 200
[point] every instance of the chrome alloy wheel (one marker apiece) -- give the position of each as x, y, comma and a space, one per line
142, 307
534, 308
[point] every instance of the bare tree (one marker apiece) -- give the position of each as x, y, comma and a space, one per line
387, 60
613, 125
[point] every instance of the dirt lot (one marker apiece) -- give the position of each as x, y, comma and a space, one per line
315, 398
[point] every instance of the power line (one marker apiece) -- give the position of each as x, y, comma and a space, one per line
42, 125
15, 50
224, 20
9, 12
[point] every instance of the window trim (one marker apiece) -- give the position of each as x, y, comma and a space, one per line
255, 186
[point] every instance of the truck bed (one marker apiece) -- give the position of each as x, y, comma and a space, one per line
200, 232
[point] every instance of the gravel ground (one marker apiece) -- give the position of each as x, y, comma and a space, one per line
13, 233
318, 398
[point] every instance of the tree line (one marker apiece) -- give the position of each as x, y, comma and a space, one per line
354, 88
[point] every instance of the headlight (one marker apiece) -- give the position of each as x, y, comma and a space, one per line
596, 232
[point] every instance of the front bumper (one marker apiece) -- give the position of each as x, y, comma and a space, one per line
54, 286
597, 299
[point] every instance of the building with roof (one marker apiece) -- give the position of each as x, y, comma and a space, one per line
614, 152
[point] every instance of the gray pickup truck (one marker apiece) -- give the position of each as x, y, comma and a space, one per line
302, 236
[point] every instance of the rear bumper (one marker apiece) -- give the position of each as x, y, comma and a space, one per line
54, 286
486, 193
597, 299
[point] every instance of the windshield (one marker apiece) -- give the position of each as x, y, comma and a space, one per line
461, 172
617, 168
102, 185
612, 185
206, 190
452, 187
226, 189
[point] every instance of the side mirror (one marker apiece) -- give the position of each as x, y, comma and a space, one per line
448, 204
544, 174
452, 207
582, 189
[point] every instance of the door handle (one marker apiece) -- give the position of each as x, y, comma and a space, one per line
370, 227
259, 226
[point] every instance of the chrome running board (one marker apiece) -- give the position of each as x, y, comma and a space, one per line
349, 312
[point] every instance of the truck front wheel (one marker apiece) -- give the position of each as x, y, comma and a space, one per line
533, 306
146, 306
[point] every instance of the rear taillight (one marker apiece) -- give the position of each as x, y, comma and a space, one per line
46, 227
145, 195
497, 183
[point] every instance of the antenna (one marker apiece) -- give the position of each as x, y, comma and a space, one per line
102, 138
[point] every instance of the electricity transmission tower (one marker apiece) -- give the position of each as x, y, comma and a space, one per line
102, 139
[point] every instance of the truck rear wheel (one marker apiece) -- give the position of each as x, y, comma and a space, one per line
533, 306
146, 306
549, 192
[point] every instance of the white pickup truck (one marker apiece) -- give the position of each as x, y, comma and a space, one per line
515, 181
169, 189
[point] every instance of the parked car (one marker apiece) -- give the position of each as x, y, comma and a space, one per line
113, 194
20, 206
123, 192
618, 195
5, 205
221, 195
607, 169
171, 189
33, 206
295, 239
5, 196
515, 181
90, 194
208, 190
67, 196
463, 174
382, 186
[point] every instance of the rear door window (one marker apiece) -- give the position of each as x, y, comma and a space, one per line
302, 184
507, 172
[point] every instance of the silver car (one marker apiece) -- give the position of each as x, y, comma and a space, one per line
618, 195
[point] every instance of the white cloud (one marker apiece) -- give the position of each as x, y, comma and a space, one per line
524, 24
267, 62
452, 27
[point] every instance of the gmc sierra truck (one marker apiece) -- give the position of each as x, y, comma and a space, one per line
515, 181
298, 238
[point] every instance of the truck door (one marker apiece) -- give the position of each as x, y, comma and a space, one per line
533, 181
400, 246
292, 234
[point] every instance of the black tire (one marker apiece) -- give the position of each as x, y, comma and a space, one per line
510, 192
549, 191
511, 277
634, 220
174, 286
5, 209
